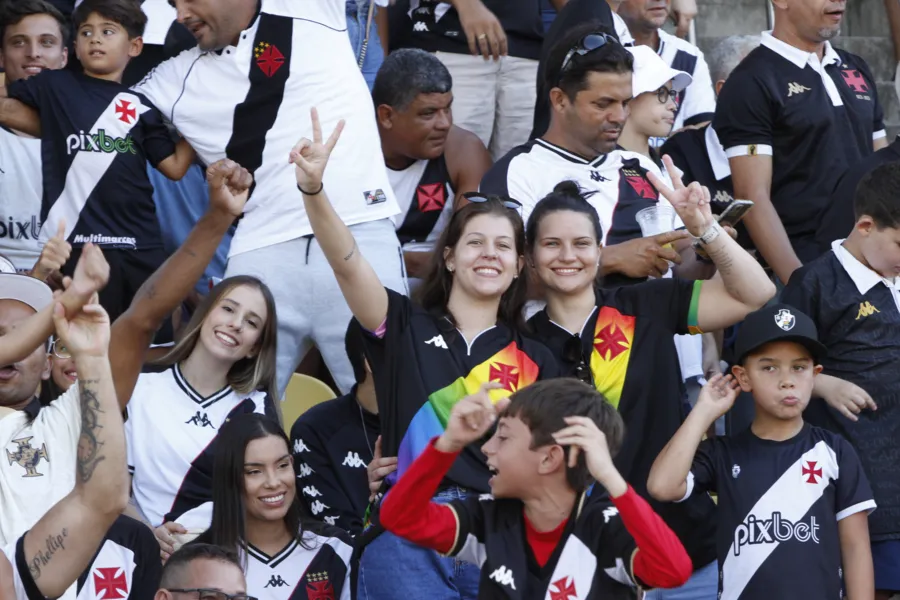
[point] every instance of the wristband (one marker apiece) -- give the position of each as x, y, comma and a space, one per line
710, 235
317, 192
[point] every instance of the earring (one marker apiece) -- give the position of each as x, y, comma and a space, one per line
450, 269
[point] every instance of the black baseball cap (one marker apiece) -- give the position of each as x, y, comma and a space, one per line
778, 323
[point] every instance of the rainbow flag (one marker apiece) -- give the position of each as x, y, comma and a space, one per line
511, 367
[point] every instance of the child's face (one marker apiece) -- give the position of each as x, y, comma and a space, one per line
780, 375
103, 47
879, 247
516, 466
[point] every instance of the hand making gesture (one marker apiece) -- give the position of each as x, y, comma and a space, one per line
584, 437
690, 202
717, 397
229, 186
85, 335
471, 418
55, 254
311, 157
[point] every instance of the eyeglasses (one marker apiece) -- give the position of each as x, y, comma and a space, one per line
573, 352
59, 349
209, 594
480, 199
589, 43
664, 94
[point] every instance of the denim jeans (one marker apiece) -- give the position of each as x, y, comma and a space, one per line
703, 585
357, 17
393, 569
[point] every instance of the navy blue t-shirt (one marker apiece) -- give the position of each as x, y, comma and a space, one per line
97, 137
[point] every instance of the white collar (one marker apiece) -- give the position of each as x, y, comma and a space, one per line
864, 277
799, 57
720, 166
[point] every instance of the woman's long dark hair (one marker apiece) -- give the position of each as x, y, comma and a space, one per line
229, 527
434, 292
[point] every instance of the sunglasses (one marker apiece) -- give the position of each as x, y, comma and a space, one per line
573, 352
587, 44
481, 199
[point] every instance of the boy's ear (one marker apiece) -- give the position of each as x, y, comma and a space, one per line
553, 460
817, 369
740, 374
137, 46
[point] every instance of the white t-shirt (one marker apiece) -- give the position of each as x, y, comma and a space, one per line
251, 103
21, 191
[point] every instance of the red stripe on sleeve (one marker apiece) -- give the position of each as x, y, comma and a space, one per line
661, 561
407, 510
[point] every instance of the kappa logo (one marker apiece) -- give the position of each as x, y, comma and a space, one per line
504, 576
796, 89
438, 342
27, 456
276, 581
353, 460
200, 420
304, 470
311, 491
785, 319
563, 589
268, 58
420, 26
330, 520
318, 507
735, 471
431, 197
318, 586
300, 446
723, 197
609, 512
866, 310
110, 583
775, 530
596, 176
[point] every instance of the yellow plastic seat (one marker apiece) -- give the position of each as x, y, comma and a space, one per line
302, 393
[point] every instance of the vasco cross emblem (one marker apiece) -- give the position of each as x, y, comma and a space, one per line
28, 457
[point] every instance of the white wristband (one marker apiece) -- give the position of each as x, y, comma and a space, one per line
711, 233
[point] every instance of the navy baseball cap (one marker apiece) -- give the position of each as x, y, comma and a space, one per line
778, 323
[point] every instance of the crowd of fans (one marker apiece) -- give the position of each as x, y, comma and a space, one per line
610, 318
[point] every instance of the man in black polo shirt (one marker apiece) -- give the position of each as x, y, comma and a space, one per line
853, 295
792, 118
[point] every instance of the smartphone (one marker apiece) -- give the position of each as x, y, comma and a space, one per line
734, 212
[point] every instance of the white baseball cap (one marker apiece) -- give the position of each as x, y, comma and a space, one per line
651, 72
28, 290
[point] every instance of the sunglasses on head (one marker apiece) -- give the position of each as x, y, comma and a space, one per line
587, 44
573, 352
480, 199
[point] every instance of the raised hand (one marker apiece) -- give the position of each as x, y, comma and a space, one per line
310, 157
229, 186
55, 254
718, 395
470, 419
583, 436
86, 335
91, 272
690, 202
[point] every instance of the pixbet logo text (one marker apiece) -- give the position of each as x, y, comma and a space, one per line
777, 529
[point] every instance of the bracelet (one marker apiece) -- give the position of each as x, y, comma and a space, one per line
315, 193
710, 235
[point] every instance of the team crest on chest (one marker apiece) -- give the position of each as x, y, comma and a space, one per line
431, 197
318, 586
110, 583
855, 81
268, 58
28, 457
639, 184
563, 589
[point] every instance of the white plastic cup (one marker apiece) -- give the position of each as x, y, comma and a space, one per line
657, 219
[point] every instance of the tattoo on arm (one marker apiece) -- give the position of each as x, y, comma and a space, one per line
42, 558
723, 259
352, 252
88, 445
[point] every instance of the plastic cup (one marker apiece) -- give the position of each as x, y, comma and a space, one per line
657, 219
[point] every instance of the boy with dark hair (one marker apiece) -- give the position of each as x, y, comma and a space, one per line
793, 499
553, 439
97, 136
852, 294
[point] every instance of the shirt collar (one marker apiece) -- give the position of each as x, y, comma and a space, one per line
715, 151
864, 277
799, 57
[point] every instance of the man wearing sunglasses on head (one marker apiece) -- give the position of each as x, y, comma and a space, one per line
203, 572
589, 75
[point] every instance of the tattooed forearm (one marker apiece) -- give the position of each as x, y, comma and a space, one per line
352, 252
42, 558
722, 258
88, 445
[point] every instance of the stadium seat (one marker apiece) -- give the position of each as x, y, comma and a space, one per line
302, 393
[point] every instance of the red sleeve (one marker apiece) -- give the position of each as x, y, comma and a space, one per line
407, 510
661, 561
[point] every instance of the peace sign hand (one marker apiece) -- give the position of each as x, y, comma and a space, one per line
691, 202
311, 157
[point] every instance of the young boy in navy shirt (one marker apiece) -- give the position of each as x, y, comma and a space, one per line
538, 535
793, 499
852, 294
97, 136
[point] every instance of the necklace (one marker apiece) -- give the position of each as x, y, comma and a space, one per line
362, 421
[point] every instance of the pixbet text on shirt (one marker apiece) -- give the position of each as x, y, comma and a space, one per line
770, 531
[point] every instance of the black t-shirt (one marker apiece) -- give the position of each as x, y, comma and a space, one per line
770, 105
423, 367
838, 220
96, 139
629, 346
779, 508
332, 443
436, 26
593, 558
858, 324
